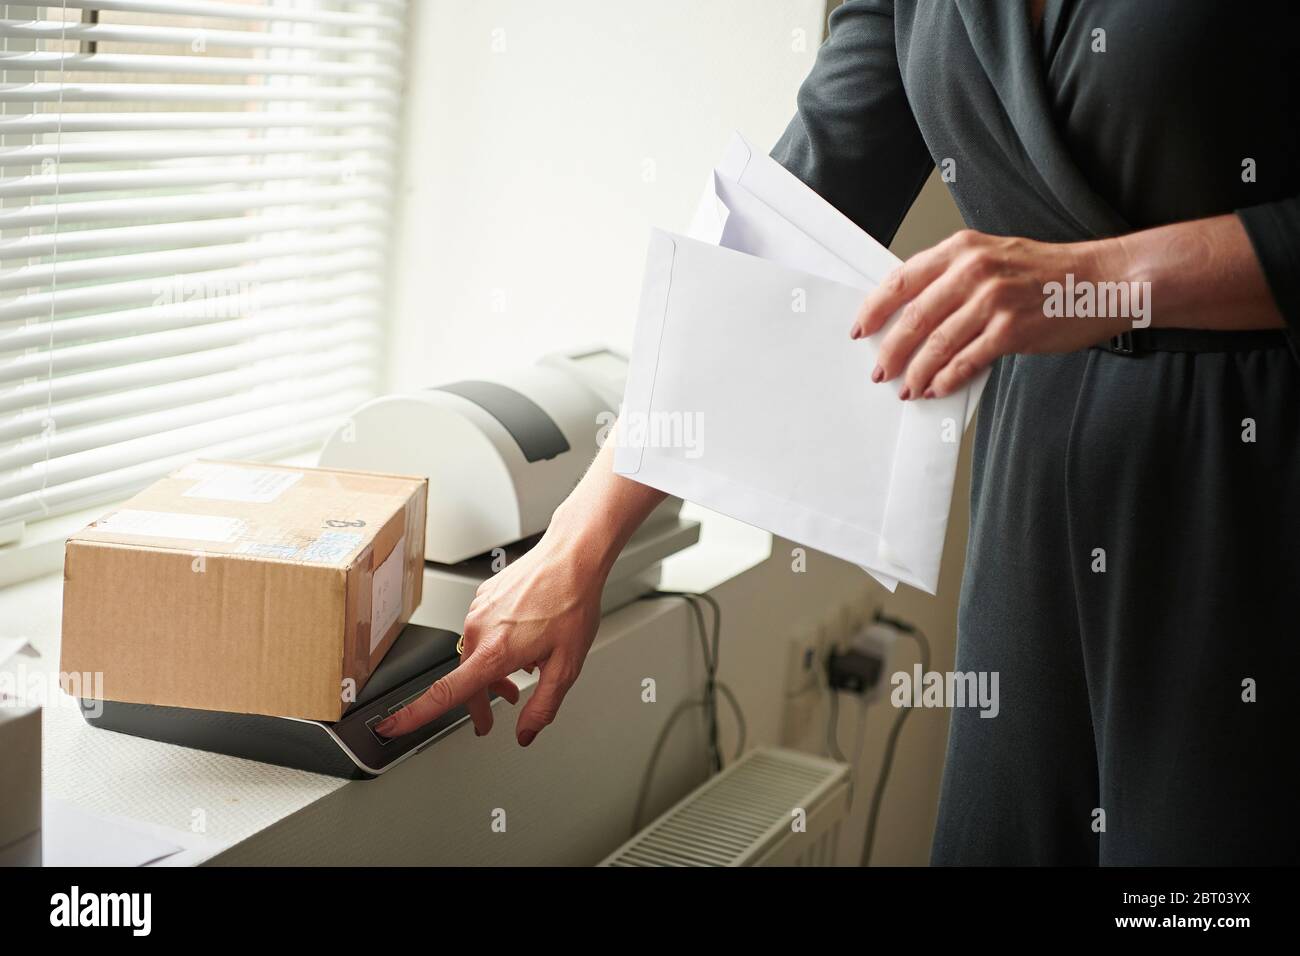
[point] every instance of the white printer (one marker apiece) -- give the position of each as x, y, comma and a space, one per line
500, 454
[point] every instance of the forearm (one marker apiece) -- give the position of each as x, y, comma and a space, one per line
603, 511
1203, 274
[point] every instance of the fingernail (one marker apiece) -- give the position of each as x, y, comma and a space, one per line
904, 393
477, 732
855, 333
877, 374
928, 393
385, 727
526, 737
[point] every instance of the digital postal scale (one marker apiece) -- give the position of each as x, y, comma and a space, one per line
500, 453
347, 747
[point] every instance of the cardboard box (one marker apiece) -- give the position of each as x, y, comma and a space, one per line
245, 587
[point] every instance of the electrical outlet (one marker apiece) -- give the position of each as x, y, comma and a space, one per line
803, 656
802, 692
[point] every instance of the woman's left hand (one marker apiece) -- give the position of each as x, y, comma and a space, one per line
975, 297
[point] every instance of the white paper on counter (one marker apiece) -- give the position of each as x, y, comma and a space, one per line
72, 837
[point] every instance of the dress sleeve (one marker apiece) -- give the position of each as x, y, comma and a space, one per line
1274, 231
854, 140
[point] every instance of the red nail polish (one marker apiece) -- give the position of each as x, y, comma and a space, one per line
904, 393
877, 374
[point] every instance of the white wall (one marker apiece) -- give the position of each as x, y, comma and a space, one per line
543, 141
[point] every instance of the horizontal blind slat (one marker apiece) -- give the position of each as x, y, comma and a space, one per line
136, 348
69, 441
107, 406
183, 207
143, 63
198, 148
189, 36
54, 93
240, 11
38, 305
177, 368
178, 234
38, 123
373, 172
181, 306
179, 260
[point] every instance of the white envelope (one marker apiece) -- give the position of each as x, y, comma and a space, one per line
740, 402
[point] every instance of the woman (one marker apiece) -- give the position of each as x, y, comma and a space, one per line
1135, 508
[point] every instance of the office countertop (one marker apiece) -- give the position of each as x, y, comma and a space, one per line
209, 803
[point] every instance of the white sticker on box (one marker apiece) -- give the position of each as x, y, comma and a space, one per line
386, 594
331, 547
167, 524
237, 483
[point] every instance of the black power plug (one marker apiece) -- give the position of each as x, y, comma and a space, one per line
854, 671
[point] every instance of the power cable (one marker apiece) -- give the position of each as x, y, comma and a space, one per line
710, 645
873, 816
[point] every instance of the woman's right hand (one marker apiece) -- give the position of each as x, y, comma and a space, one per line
541, 612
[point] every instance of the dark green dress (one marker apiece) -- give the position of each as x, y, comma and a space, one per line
1148, 711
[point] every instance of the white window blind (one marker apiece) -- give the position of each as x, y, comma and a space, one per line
195, 203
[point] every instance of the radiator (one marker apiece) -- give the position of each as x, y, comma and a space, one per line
749, 815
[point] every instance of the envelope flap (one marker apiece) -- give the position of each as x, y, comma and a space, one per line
788, 195
711, 214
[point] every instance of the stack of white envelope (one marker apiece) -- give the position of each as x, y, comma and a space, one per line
746, 395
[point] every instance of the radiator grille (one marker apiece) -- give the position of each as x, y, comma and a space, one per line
744, 816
